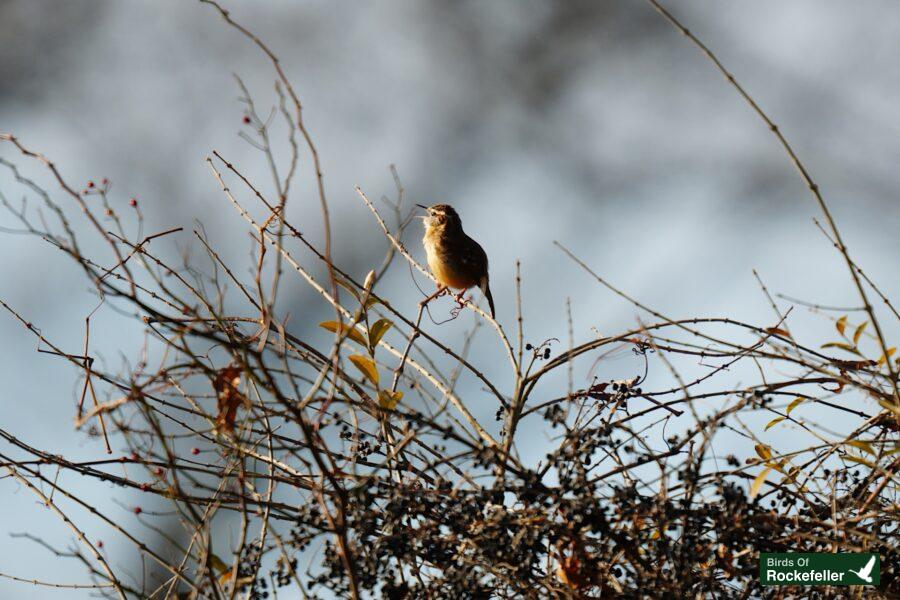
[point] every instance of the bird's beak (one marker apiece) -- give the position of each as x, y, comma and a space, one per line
420, 206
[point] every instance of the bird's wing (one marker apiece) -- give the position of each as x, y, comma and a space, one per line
471, 258
864, 573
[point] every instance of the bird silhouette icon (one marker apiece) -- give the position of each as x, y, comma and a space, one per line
865, 572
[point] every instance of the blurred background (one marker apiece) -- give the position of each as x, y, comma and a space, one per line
592, 123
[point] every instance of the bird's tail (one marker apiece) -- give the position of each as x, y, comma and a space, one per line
486, 288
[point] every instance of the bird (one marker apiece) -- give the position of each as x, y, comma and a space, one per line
866, 572
456, 260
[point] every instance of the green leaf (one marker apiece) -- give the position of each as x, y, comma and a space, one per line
366, 366
859, 331
344, 329
758, 482
795, 403
841, 324
774, 422
377, 331
388, 400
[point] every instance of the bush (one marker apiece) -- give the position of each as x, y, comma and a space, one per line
355, 468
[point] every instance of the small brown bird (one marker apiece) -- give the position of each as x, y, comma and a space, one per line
456, 260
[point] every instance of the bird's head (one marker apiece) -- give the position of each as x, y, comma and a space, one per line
440, 215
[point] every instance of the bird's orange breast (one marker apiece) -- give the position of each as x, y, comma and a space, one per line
441, 269
447, 276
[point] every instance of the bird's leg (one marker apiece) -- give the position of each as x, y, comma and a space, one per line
460, 297
441, 290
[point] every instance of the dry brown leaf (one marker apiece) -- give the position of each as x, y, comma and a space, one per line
887, 421
229, 398
778, 331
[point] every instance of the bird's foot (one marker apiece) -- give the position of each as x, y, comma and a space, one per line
461, 298
441, 290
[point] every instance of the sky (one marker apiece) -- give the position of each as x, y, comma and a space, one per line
592, 123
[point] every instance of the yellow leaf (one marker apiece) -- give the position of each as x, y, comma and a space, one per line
347, 286
864, 446
218, 564
366, 366
890, 406
370, 301
778, 466
842, 346
377, 331
388, 400
859, 460
757, 483
764, 451
841, 324
344, 329
859, 331
794, 404
774, 422
369, 281
887, 355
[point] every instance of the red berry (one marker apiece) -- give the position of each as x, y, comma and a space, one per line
133, 202
195, 451
99, 543
105, 181
137, 510
134, 456
160, 471
90, 184
144, 487
246, 119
